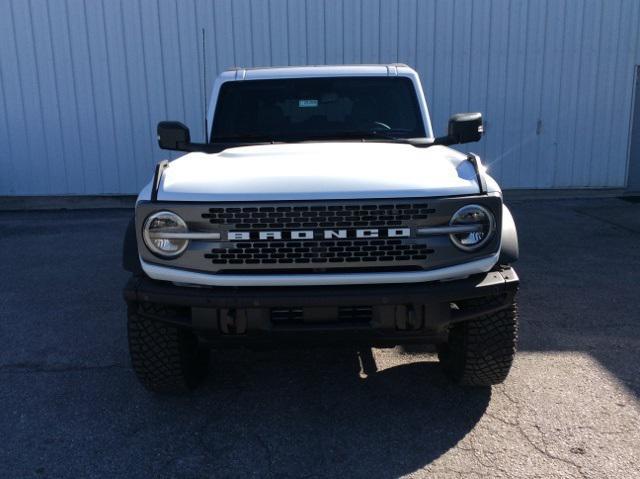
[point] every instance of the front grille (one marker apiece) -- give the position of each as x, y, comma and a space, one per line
316, 252
308, 237
319, 252
320, 216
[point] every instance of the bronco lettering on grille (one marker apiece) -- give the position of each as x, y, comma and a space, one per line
319, 234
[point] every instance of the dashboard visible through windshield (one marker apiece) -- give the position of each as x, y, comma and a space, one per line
297, 109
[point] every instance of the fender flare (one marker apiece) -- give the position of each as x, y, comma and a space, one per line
509, 249
130, 258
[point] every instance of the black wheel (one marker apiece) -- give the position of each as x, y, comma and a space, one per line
165, 358
480, 352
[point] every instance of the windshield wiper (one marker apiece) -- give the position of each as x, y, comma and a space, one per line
225, 143
350, 135
246, 139
381, 136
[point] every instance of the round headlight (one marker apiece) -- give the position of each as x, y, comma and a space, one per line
161, 233
477, 226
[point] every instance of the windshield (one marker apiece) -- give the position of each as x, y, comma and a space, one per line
296, 109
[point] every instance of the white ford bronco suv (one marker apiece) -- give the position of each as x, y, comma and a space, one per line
320, 208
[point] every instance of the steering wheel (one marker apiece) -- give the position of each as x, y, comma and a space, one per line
383, 126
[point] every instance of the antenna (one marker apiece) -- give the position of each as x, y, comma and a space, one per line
204, 85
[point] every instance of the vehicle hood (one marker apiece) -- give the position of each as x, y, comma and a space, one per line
314, 171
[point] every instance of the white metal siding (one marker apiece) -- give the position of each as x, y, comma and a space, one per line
83, 83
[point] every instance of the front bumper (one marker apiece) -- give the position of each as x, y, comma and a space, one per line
387, 314
337, 279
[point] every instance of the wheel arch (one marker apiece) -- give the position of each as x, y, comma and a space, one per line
130, 258
509, 248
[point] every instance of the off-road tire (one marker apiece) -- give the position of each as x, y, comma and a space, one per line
480, 352
166, 358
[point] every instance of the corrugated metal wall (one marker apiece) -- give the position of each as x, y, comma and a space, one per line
83, 83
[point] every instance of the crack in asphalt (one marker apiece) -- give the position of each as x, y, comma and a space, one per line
480, 459
609, 433
544, 450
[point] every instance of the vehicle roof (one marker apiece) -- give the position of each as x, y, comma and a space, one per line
393, 69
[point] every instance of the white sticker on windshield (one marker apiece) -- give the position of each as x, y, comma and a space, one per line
308, 103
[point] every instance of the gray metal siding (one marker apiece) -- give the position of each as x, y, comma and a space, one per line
83, 83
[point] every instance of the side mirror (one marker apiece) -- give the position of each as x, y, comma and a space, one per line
173, 135
463, 128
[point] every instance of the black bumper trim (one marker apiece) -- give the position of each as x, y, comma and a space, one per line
494, 283
401, 313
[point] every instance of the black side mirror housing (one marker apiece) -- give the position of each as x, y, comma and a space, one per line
173, 135
463, 128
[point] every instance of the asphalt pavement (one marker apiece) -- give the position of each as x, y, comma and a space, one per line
71, 407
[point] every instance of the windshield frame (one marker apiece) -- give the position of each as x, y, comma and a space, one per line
310, 72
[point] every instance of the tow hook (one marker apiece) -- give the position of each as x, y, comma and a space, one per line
232, 323
407, 319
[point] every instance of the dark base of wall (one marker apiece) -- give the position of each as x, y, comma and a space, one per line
561, 193
21, 203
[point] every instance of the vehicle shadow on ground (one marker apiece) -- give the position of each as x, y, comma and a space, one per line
314, 413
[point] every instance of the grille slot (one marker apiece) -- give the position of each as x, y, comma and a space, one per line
344, 314
355, 314
286, 315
